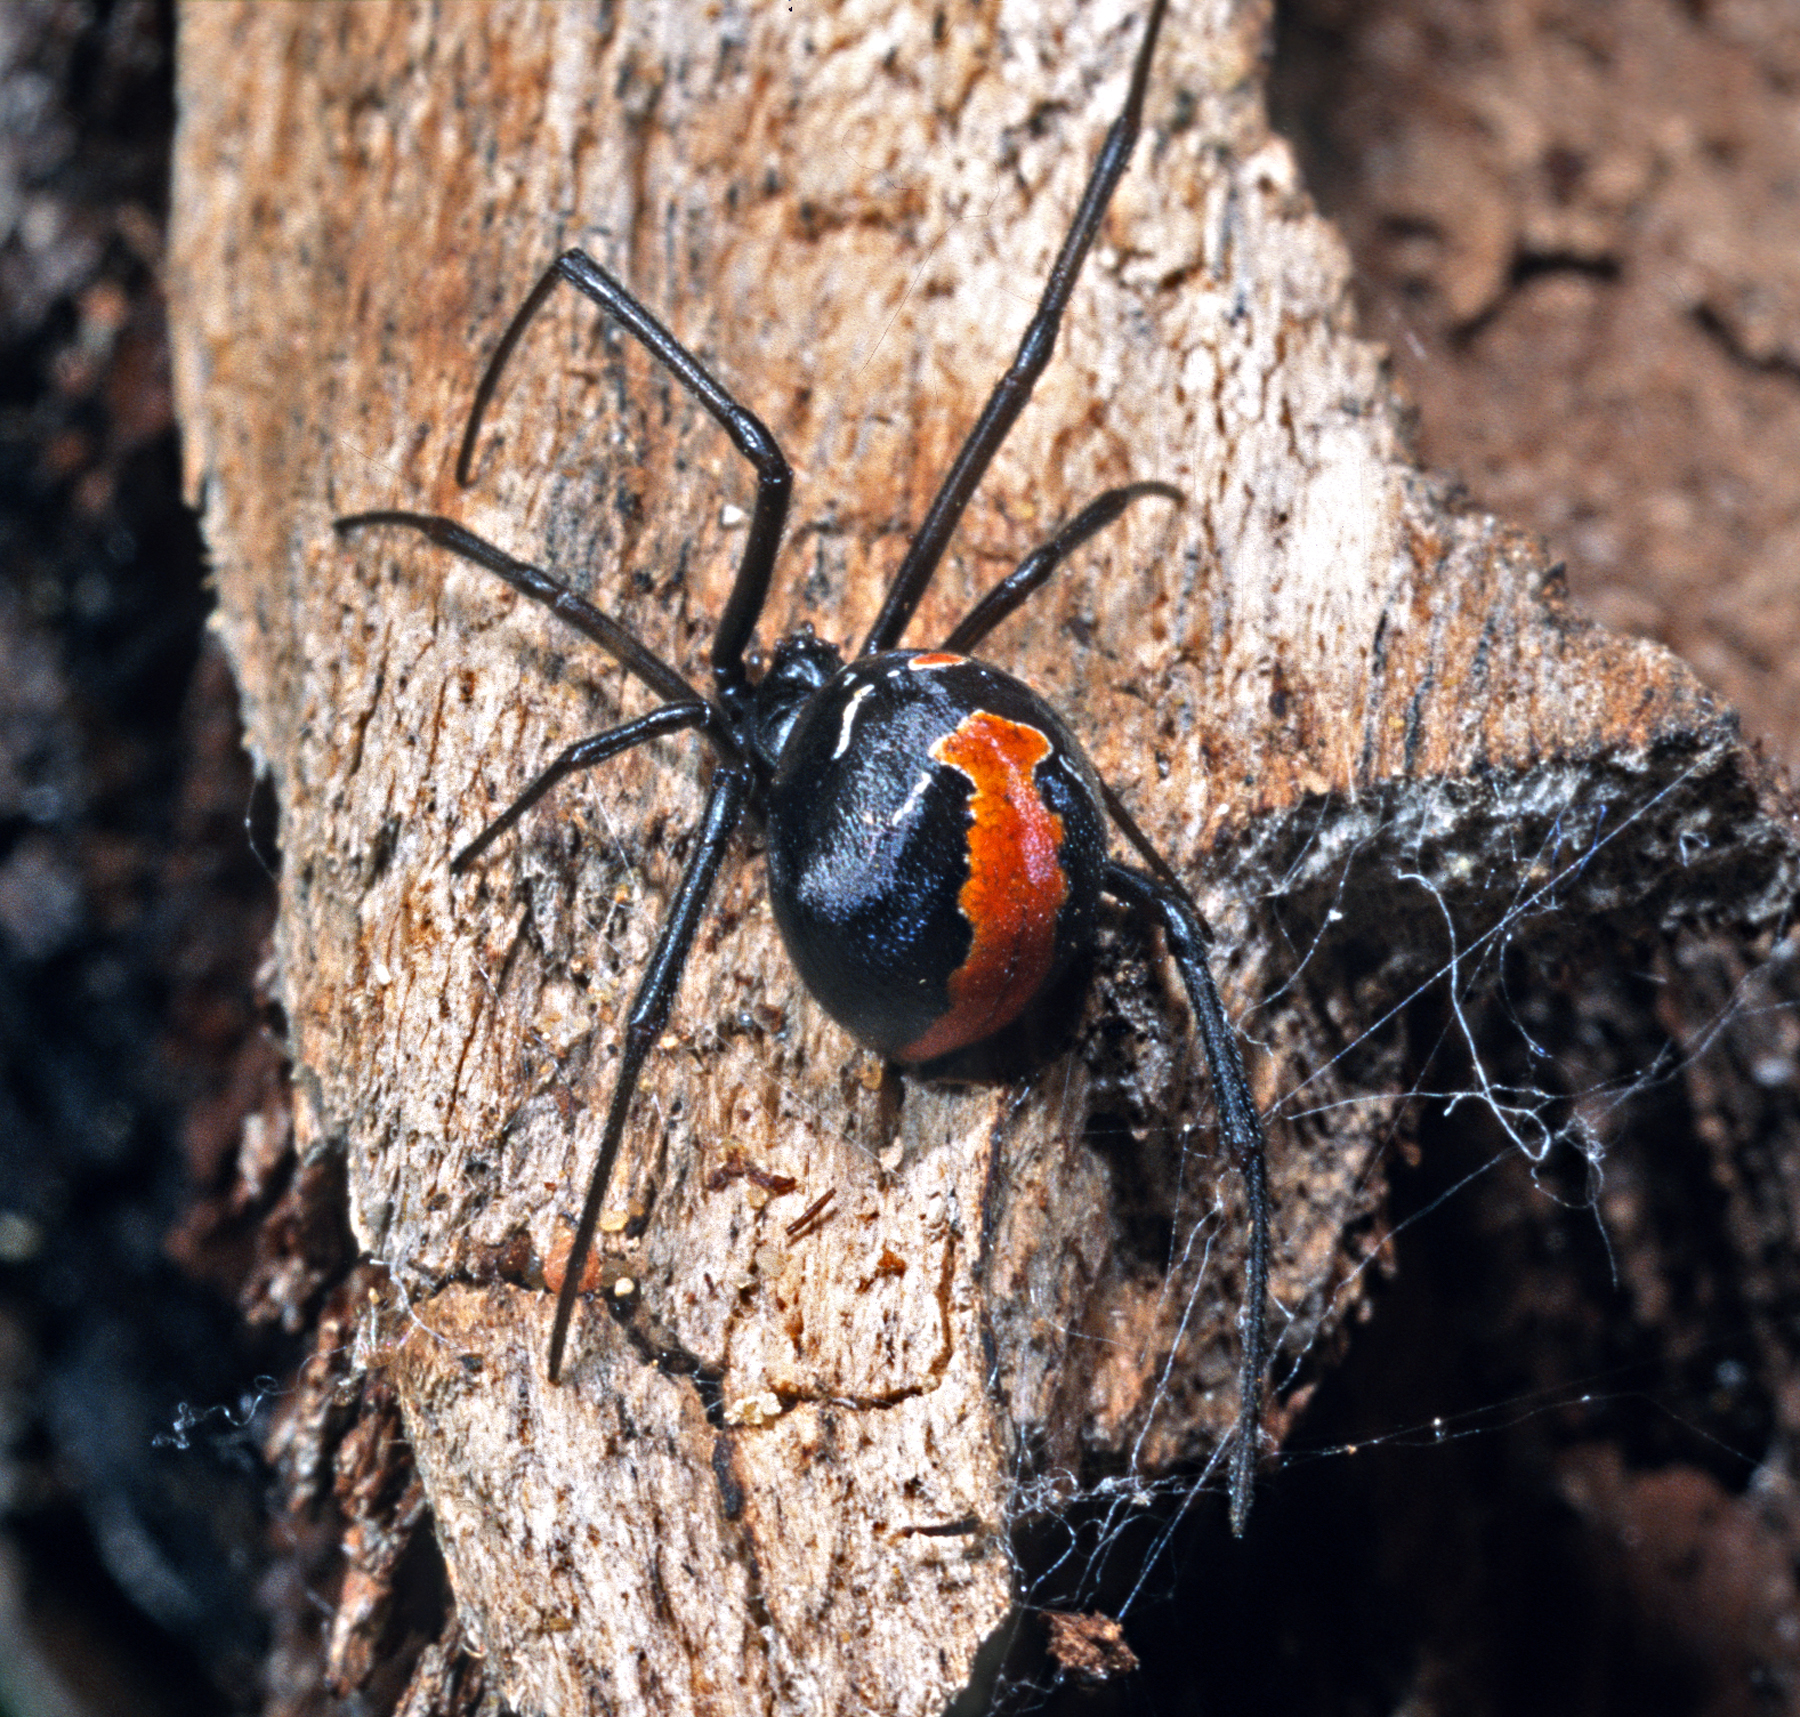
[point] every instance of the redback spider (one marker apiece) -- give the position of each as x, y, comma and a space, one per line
936, 836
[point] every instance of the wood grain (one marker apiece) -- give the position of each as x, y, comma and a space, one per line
1352, 714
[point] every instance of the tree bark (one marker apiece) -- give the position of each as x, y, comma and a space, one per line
1359, 720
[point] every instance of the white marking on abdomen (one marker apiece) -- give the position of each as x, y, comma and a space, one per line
911, 799
843, 743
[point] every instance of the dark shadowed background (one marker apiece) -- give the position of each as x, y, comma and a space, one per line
1577, 227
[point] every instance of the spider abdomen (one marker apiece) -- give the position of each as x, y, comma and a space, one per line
936, 848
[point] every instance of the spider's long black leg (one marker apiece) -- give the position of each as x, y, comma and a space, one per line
1146, 850
649, 1014
1035, 569
585, 753
542, 587
774, 477
1185, 933
1014, 388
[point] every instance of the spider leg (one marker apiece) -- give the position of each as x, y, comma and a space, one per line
1146, 850
544, 587
1185, 933
1014, 388
649, 1014
1035, 569
585, 753
774, 477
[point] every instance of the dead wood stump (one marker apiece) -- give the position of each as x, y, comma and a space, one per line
1359, 719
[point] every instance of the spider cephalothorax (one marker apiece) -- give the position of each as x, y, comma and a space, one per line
936, 836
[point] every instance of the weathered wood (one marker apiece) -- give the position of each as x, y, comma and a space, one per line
1356, 718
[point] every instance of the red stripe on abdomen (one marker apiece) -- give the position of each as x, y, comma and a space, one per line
1016, 886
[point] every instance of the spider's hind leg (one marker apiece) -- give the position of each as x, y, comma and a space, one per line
649, 1014
1166, 903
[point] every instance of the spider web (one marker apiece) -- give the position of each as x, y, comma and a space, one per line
1498, 1011
1495, 897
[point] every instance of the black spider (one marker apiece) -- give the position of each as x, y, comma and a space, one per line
936, 837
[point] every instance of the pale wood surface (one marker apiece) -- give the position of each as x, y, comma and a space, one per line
1348, 712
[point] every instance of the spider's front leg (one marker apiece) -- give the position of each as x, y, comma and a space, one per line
749, 435
543, 587
1034, 571
1013, 389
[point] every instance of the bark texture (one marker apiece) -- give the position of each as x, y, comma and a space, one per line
1358, 719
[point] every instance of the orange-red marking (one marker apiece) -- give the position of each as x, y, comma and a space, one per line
1016, 883
935, 659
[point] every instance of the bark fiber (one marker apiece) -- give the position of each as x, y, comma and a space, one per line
1358, 719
